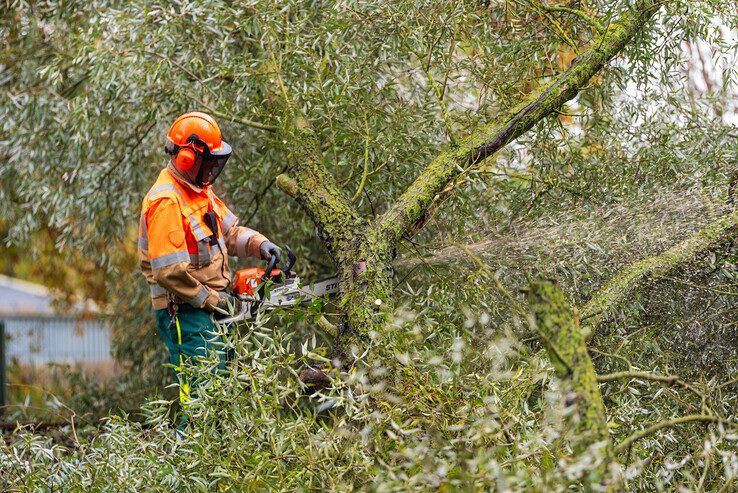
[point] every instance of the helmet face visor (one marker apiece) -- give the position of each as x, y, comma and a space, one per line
214, 162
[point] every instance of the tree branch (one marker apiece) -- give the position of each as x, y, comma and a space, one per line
310, 183
665, 424
619, 288
610, 377
580, 13
558, 326
365, 172
436, 91
486, 141
242, 121
561, 32
316, 191
667, 379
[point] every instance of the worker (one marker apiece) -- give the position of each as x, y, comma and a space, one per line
186, 234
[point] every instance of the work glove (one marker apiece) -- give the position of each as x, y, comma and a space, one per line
227, 305
269, 250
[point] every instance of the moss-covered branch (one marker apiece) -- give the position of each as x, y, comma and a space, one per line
310, 183
620, 287
558, 326
489, 139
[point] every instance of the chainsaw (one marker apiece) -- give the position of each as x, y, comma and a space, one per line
270, 288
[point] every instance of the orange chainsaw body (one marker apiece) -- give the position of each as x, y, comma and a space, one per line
247, 280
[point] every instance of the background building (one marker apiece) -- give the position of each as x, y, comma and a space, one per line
36, 335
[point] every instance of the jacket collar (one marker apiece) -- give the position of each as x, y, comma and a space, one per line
183, 180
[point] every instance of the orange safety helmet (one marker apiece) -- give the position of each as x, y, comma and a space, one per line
199, 150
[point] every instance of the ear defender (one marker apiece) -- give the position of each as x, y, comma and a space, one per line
185, 158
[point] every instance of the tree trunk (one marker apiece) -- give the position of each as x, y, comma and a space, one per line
364, 249
363, 259
367, 298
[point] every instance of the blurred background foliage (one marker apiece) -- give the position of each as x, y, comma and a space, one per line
640, 160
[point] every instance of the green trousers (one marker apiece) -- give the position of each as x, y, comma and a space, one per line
189, 336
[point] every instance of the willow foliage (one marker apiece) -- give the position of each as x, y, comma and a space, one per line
642, 158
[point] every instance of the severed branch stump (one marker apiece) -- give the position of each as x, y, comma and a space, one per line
557, 324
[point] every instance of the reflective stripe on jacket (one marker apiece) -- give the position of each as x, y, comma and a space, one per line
174, 242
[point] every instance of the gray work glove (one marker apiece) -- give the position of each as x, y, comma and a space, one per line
227, 305
269, 250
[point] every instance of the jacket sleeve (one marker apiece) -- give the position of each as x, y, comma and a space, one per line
241, 241
169, 256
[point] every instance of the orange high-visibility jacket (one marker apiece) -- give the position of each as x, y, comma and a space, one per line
174, 242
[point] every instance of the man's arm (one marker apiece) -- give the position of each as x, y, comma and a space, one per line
169, 256
240, 240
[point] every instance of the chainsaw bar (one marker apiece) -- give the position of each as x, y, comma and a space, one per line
283, 295
249, 286
291, 293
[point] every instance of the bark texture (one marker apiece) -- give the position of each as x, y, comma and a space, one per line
316, 190
557, 324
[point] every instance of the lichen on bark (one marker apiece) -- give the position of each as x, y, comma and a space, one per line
557, 324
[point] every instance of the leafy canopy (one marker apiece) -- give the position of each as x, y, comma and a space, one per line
91, 89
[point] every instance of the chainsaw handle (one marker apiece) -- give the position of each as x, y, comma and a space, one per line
273, 260
291, 259
270, 267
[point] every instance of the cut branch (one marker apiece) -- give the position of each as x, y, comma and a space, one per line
558, 326
287, 184
619, 288
486, 141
